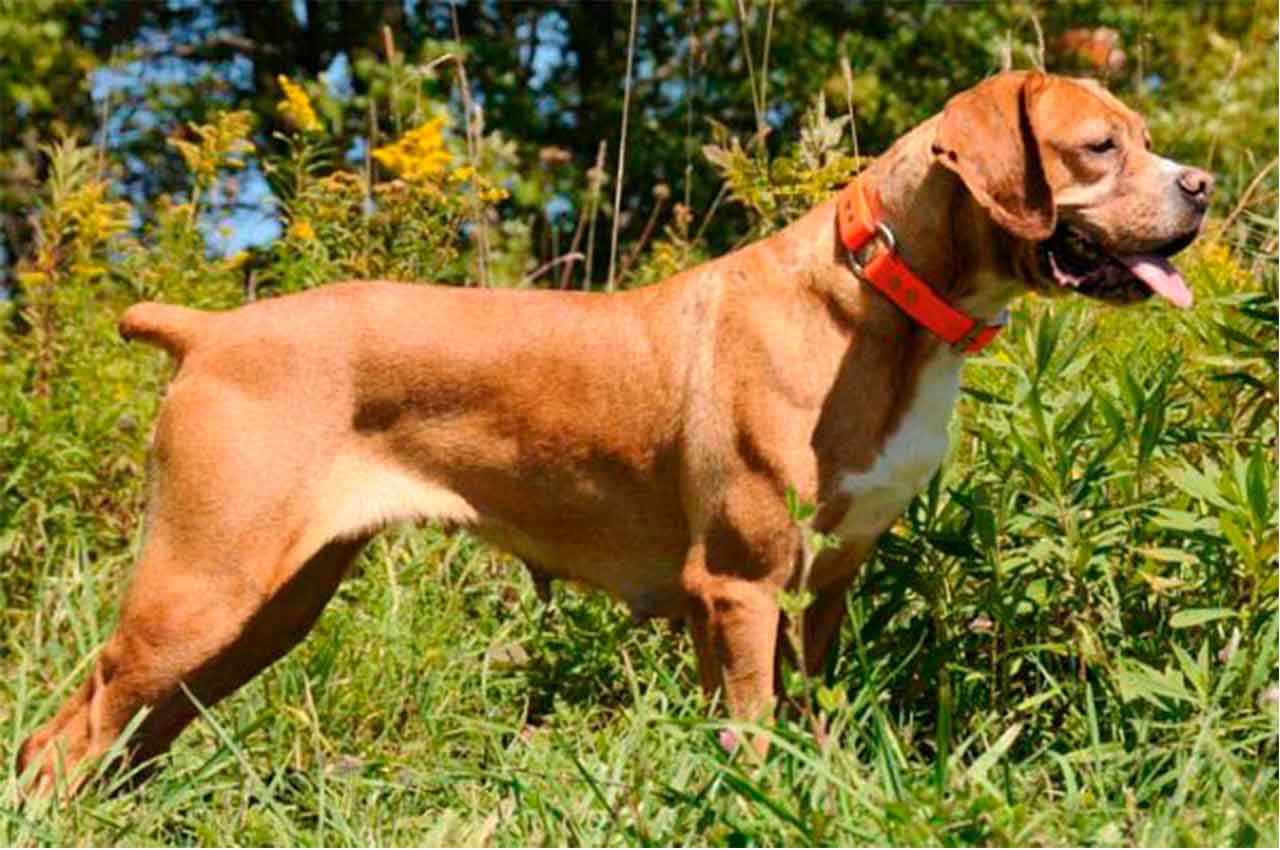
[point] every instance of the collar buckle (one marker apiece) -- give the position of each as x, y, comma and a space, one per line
882, 234
961, 346
859, 224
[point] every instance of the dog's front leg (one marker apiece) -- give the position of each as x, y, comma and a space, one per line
734, 625
732, 580
822, 622
834, 571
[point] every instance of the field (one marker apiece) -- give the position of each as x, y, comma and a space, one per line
1070, 639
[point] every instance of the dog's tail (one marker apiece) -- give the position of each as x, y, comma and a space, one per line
171, 327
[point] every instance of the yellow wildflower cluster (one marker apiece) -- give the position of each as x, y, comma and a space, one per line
301, 230
94, 216
79, 220
220, 145
484, 190
31, 278
493, 194
1221, 268
419, 155
296, 107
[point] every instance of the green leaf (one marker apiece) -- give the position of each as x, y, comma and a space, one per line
1189, 617
799, 510
1259, 493
1238, 539
1033, 701
978, 771
1184, 521
1038, 591
1199, 485
832, 699
1169, 555
1136, 680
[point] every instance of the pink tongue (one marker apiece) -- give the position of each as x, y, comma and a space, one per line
1156, 272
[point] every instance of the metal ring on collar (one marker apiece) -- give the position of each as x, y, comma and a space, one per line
884, 235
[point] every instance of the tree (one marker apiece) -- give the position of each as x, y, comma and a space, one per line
549, 77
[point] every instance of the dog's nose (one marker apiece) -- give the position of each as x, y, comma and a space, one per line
1197, 186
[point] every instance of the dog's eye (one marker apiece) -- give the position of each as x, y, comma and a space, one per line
1103, 146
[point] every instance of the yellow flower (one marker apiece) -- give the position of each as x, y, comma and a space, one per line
463, 174
88, 269
301, 229
235, 261
220, 144
342, 181
419, 155
296, 106
97, 219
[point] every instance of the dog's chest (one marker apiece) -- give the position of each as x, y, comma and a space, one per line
878, 494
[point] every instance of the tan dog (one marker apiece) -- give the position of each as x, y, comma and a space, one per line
642, 442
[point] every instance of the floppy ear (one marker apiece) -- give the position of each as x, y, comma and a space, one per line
987, 137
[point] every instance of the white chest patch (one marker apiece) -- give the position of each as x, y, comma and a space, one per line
878, 495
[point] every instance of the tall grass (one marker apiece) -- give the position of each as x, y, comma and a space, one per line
1070, 637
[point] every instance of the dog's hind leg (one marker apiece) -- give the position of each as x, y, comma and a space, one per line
223, 588
171, 645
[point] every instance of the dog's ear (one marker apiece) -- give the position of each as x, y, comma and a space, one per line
987, 136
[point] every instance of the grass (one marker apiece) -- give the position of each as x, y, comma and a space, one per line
429, 708
1046, 651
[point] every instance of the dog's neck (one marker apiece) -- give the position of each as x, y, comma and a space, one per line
942, 232
887, 361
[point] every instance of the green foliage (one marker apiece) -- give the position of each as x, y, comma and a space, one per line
547, 77
42, 76
778, 190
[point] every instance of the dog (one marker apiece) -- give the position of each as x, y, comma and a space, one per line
645, 442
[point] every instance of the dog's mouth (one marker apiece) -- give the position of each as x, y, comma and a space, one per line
1073, 259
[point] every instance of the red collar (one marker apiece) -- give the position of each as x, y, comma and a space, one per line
858, 217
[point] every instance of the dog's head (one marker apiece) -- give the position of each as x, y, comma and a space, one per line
1064, 167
